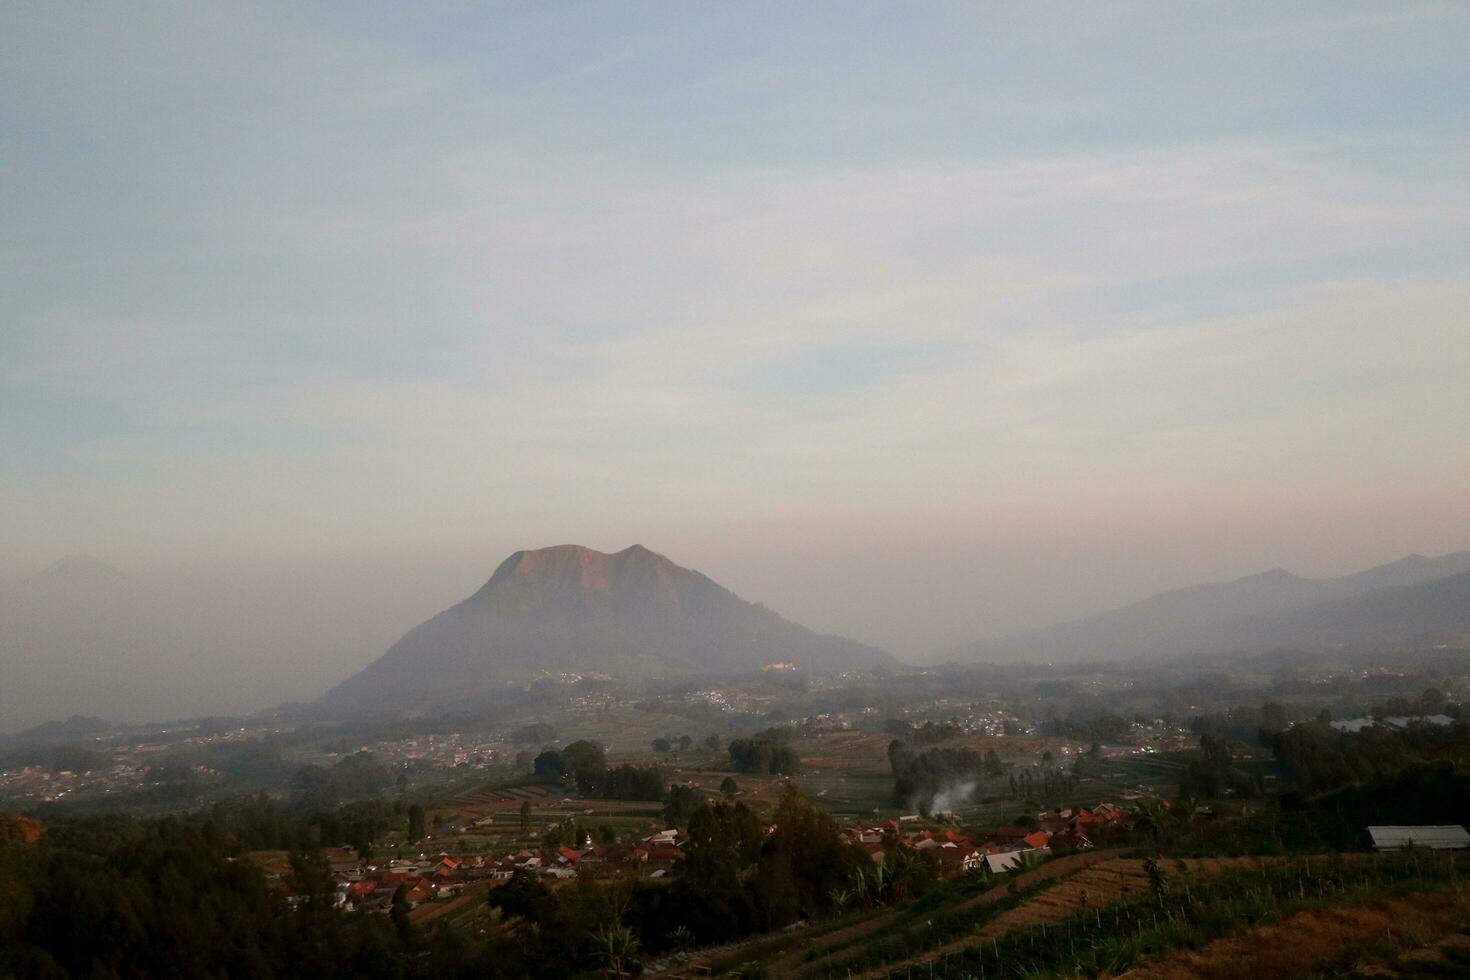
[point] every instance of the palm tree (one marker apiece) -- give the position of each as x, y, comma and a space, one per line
681, 939
617, 945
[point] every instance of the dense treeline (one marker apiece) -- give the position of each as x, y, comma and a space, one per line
630, 782
1434, 793
763, 754
1213, 773
928, 733
1102, 726
582, 766
260, 823
919, 776
124, 898
1317, 757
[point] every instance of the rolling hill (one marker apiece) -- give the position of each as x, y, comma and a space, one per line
570, 608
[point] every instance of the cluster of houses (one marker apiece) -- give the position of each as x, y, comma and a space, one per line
998, 850
441, 876
429, 878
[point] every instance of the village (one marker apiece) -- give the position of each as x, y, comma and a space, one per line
431, 877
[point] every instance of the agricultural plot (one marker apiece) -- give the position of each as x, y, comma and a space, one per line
472, 806
1099, 914
1421, 935
1188, 907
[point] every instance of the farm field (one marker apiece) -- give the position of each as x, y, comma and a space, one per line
1421, 935
1098, 913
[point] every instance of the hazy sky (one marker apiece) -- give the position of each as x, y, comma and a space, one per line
920, 321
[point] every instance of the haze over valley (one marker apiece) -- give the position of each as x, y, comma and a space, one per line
83, 637
752, 490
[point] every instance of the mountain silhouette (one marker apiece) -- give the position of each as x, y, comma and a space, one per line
1410, 602
570, 608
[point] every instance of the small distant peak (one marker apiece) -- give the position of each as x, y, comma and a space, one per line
1271, 576
639, 552
81, 568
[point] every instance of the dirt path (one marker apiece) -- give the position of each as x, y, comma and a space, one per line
1425, 926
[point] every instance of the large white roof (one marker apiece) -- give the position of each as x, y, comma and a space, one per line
1436, 837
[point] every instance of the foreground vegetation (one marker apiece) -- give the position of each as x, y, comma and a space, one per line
1241, 818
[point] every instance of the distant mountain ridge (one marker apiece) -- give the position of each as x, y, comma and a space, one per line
570, 608
1415, 600
80, 568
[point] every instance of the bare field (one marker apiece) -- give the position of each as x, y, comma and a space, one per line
1366, 937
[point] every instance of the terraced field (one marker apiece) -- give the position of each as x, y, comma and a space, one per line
1103, 884
1099, 913
471, 806
1419, 935
812, 950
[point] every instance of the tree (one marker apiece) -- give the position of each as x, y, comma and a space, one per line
359, 774
712, 742
525, 816
586, 762
311, 788
899, 755
1158, 878
398, 914
681, 939
616, 946
764, 755
415, 822
680, 804
685, 742
630, 782
802, 862
662, 745
548, 765
525, 896
729, 788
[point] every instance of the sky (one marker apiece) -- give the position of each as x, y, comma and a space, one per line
919, 322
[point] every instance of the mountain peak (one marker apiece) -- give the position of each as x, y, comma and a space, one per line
1275, 608
81, 568
577, 566
1277, 574
573, 608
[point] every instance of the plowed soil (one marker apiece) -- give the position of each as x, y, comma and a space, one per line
1368, 938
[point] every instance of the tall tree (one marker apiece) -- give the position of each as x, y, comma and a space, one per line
415, 822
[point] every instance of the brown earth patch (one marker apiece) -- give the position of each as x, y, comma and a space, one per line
1366, 935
